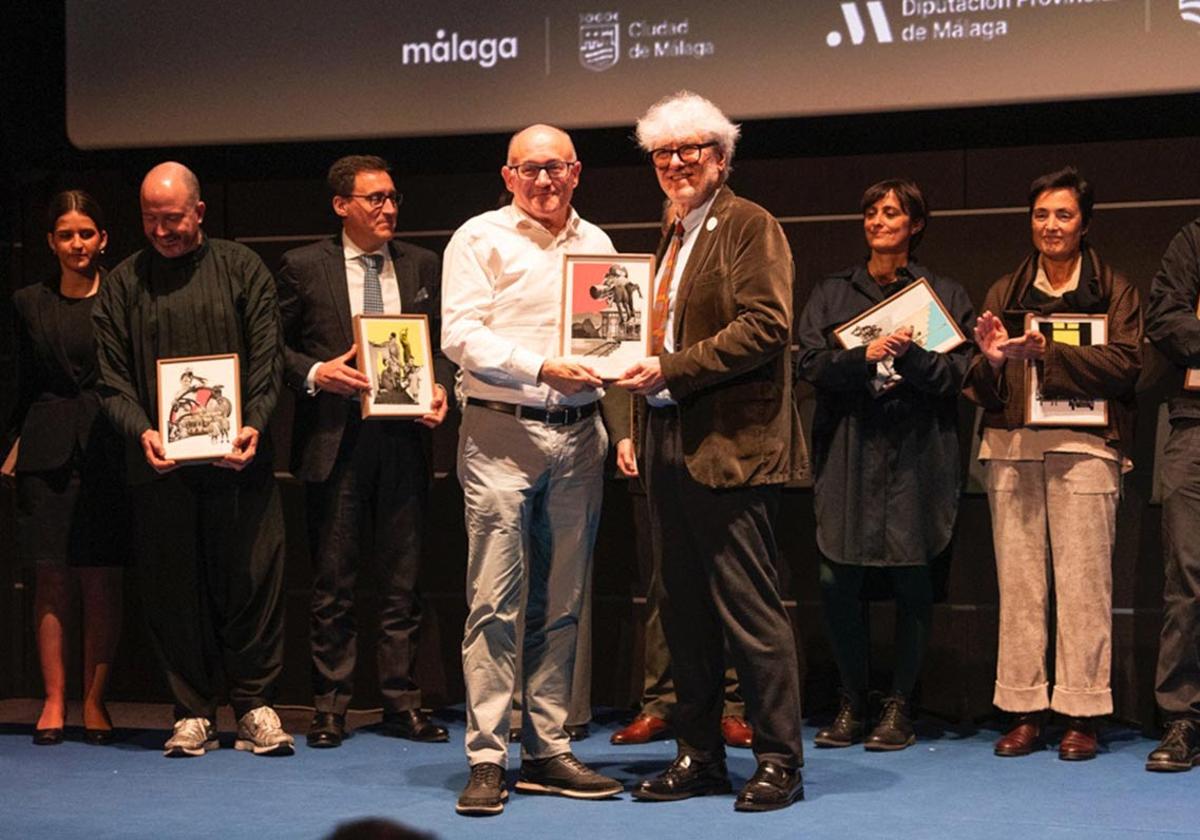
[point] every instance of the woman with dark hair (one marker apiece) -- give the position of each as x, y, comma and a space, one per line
885, 458
72, 512
1053, 490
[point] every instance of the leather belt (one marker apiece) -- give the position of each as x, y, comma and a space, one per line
551, 417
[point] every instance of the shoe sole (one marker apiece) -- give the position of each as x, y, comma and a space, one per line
1172, 766
570, 793
876, 747
830, 744
483, 810
758, 807
650, 796
251, 747
1076, 756
195, 752
1016, 753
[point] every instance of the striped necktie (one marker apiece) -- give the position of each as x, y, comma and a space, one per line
372, 290
662, 297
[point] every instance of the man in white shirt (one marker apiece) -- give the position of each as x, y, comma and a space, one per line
530, 460
358, 472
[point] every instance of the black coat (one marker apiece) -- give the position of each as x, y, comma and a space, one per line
317, 326
1171, 321
886, 468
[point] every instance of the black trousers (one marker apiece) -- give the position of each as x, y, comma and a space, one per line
718, 556
370, 512
1178, 681
210, 564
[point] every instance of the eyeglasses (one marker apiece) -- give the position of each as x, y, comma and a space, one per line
376, 200
556, 169
688, 153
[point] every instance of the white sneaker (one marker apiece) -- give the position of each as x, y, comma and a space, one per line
193, 736
260, 732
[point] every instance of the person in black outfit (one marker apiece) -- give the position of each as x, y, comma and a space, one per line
885, 457
209, 537
1172, 325
73, 514
359, 472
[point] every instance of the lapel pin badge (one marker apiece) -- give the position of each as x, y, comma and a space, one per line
711, 224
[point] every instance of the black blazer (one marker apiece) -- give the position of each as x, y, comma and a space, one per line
317, 326
56, 409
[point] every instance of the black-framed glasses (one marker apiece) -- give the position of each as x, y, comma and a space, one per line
688, 153
556, 169
376, 200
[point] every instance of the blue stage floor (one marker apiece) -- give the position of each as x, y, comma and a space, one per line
948, 786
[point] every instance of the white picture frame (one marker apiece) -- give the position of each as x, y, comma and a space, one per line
395, 352
608, 305
1079, 330
199, 406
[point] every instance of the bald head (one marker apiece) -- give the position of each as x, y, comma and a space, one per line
171, 209
540, 135
548, 153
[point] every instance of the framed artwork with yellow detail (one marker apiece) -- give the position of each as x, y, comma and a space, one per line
396, 354
1077, 331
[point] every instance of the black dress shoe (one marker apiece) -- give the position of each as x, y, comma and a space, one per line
1179, 749
577, 731
772, 786
847, 728
48, 737
895, 729
327, 730
98, 737
684, 778
414, 725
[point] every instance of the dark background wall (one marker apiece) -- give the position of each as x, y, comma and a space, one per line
975, 165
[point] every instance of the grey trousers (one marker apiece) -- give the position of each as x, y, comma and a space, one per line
1054, 519
532, 495
1178, 680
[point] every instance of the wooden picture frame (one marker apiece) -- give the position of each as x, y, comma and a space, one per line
199, 406
395, 352
916, 306
607, 307
1082, 331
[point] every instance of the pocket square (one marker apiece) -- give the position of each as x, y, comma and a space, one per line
422, 294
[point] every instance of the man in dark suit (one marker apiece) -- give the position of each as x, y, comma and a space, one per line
721, 436
365, 478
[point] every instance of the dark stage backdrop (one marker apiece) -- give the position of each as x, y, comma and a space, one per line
975, 164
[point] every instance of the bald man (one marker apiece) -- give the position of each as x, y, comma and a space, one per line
209, 538
530, 461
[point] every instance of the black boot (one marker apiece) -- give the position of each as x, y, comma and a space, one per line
847, 728
895, 730
1180, 747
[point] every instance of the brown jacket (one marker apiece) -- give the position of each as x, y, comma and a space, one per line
1107, 371
731, 373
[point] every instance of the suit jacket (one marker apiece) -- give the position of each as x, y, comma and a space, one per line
731, 369
56, 409
317, 326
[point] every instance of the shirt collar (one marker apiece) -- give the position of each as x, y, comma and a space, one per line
693, 219
1042, 283
520, 219
353, 252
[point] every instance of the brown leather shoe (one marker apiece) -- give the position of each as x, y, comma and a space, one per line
1024, 737
642, 729
736, 732
1080, 742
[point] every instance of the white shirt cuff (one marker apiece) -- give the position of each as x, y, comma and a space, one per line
310, 381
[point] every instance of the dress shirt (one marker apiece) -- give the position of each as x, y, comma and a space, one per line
355, 279
502, 279
691, 231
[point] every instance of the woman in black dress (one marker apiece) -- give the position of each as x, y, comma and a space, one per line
885, 458
72, 511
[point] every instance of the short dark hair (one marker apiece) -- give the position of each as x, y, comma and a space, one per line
342, 173
73, 200
1067, 178
911, 199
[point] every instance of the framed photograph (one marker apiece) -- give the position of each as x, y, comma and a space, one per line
1191, 380
914, 306
199, 406
1077, 330
607, 305
396, 354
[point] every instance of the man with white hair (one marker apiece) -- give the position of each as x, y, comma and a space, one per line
209, 538
530, 460
721, 436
